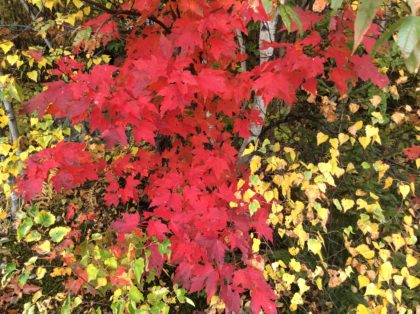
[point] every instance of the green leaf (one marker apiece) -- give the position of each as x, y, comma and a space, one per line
23, 278
268, 6
92, 272
285, 17
135, 294
253, 207
24, 228
138, 268
336, 4
65, 309
57, 234
164, 248
111, 262
413, 61
385, 35
295, 17
33, 236
44, 218
409, 35
7, 273
365, 14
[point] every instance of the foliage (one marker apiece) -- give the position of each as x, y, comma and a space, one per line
134, 193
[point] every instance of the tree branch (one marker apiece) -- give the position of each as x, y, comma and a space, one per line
127, 12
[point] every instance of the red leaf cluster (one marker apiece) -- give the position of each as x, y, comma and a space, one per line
182, 85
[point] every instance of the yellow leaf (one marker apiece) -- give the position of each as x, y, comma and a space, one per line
256, 245
297, 299
347, 204
410, 260
385, 271
334, 143
268, 196
293, 251
61, 271
78, 3
388, 182
302, 286
364, 141
101, 282
6, 46
44, 247
398, 279
255, 164
248, 194
12, 59
397, 240
404, 190
240, 184
412, 281
33, 75
295, 265
371, 131
276, 147
342, 138
314, 245
321, 138
361, 309
355, 127
40, 272
372, 289
365, 251
249, 150
363, 281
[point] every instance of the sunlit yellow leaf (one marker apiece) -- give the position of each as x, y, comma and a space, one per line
412, 281
255, 164
361, 309
365, 251
342, 138
295, 265
347, 204
268, 196
33, 75
404, 190
314, 246
321, 138
364, 141
397, 240
303, 287
256, 245
372, 289
385, 271
410, 260
250, 149
388, 182
12, 59
363, 281
40, 273
6, 46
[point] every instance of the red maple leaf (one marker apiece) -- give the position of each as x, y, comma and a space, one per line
127, 223
412, 152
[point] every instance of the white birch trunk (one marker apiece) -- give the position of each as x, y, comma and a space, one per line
267, 34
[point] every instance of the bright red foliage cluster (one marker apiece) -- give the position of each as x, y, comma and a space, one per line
184, 84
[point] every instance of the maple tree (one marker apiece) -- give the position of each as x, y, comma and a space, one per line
170, 112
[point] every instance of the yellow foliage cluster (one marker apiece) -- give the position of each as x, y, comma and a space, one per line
309, 200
